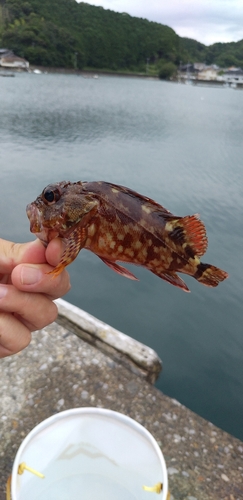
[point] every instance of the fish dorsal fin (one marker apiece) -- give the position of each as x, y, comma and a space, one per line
141, 198
190, 233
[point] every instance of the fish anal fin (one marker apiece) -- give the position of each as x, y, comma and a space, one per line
190, 233
119, 269
173, 279
57, 270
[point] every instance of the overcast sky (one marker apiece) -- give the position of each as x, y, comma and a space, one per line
207, 21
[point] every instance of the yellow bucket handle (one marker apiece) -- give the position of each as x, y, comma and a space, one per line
21, 468
157, 488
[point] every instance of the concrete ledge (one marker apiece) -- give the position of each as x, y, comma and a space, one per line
139, 358
58, 371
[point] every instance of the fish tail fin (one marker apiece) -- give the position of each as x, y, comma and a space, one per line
209, 275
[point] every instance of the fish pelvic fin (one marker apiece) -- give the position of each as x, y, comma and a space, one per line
209, 275
189, 233
173, 279
119, 269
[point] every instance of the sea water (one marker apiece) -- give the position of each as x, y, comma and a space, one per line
178, 144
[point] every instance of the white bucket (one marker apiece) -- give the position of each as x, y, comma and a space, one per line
89, 454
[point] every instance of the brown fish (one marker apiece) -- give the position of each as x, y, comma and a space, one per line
118, 224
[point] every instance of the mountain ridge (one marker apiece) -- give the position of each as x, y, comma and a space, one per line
64, 33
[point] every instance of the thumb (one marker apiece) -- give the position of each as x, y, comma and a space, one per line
12, 254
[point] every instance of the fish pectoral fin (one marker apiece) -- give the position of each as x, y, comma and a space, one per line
73, 244
173, 279
119, 269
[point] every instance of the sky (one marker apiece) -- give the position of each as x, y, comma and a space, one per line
207, 21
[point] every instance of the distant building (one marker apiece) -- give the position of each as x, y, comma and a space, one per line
199, 71
9, 60
233, 75
208, 73
188, 72
5, 52
199, 66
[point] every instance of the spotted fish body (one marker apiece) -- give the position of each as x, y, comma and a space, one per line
118, 224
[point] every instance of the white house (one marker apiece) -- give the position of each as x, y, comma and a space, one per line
13, 62
208, 73
234, 75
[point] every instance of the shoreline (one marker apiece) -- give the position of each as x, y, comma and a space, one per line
87, 73
91, 73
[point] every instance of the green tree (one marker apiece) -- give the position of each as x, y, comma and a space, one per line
167, 70
66, 33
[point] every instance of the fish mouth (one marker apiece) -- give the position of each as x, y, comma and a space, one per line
34, 217
36, 226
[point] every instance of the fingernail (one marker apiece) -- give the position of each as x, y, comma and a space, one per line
3, 291
30, 275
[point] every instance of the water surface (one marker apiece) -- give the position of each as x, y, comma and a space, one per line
182, 146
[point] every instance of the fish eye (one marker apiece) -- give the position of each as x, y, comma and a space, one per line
51, 194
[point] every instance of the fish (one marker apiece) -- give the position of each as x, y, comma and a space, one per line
120, 225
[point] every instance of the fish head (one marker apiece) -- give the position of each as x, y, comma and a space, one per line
58, 210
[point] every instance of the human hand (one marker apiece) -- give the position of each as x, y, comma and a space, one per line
27, 291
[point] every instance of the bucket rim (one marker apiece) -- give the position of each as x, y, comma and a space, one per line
87, 411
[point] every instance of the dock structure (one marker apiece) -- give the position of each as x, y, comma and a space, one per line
78, 361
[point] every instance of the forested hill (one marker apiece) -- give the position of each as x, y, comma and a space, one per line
63, 33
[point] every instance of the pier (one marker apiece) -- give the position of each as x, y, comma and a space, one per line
78, 361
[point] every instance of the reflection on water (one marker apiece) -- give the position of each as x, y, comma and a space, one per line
181, 145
